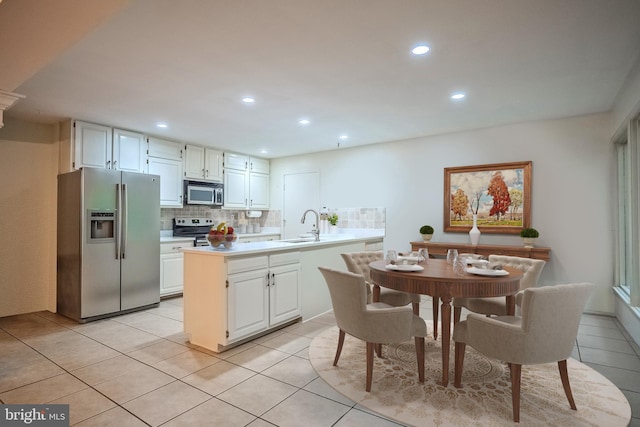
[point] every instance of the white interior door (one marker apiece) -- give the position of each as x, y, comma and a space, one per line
301, 192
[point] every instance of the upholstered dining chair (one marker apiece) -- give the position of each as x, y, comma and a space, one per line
358, 262
545, 333
497, 306
374, 323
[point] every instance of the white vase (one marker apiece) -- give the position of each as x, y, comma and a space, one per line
333, 229
474, 233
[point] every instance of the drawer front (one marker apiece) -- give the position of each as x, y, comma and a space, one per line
174, 247
284, 258
240, 265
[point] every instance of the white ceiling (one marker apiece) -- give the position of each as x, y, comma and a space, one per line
343, 64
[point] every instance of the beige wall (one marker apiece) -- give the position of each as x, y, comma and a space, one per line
572, 189
27, 226
573, 182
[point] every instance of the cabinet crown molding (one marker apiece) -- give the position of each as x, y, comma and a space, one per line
7, 99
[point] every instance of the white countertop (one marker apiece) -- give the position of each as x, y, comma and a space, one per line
240, 248
175, 239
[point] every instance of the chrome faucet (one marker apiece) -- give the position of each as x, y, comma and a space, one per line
316, 229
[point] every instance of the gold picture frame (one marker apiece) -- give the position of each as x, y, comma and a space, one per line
498, 194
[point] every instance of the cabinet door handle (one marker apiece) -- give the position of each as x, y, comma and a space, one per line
115, 163
267, 280
108, 164
273, 279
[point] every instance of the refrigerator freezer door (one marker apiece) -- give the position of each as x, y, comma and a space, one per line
100, 289
140, 254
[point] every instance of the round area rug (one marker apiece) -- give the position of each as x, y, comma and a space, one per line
484, 399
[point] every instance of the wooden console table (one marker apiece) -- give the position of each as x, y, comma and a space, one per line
484, 250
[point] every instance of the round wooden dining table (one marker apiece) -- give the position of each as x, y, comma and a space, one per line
438, 280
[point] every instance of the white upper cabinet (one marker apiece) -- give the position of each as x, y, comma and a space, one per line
165, 159
258, 191
258, 165
193, 162
165, 149
92, 146
98, 146
246, 182
212, 165
258, 183
202, 163
234, 161
236, 189
129, 151
170, 172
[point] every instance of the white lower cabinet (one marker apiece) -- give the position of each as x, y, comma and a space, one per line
284, 293
248, 302
229, 299
262, 292
172, 267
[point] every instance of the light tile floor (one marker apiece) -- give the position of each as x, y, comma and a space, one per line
137, 370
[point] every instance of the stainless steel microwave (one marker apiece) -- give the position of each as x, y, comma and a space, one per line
203, 193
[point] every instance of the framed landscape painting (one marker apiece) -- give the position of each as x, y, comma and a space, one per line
498, 194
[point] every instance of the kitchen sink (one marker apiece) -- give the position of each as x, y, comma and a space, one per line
298, 240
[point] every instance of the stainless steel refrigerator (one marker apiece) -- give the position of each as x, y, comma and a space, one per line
108, 243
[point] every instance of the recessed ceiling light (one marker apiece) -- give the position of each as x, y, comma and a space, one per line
248, 100
421, 49
458, 96
264, 151
343, 137
304, 122
162, 125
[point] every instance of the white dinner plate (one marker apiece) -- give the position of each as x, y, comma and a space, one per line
487, 272
404, 267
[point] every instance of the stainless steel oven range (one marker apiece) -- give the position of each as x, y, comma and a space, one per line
193, 227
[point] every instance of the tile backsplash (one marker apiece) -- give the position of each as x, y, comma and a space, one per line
374, 218
360, 217
271, 218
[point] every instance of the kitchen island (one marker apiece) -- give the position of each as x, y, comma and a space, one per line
233, 295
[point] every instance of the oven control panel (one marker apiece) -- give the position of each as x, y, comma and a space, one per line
193, 222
